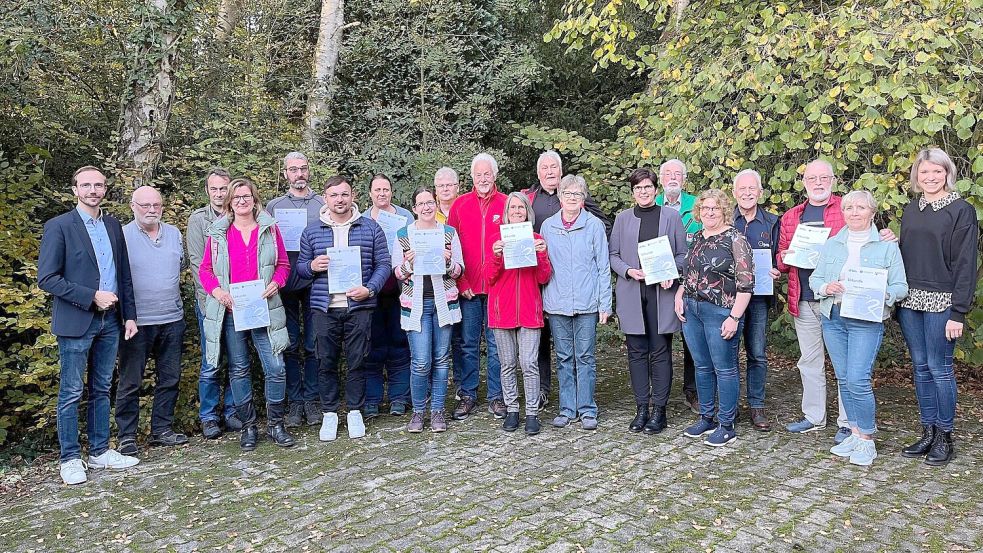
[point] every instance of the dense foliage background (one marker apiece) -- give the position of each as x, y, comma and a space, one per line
722, 84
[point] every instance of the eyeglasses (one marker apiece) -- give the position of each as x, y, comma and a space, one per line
242, 199
156, 207
447, 185
93, 185
301, 169
813, 179
430, 203
644, 188
571, 194
710, 208
667, 174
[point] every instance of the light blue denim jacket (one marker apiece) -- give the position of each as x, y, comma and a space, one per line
876, 254
581, 280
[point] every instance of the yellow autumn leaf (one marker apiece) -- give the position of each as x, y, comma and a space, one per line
834, 92
877, 159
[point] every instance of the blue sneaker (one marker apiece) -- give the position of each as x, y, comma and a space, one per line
846, 447
721, 436
841, 434
864, 453
700, 427
803, 426
370, 411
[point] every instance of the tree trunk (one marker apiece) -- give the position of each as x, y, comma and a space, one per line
149, 94
325, 63
228, 16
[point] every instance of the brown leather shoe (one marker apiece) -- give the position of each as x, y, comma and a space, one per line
464, 408
760, 419
693, 401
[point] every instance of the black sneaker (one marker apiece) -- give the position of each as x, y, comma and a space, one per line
312, 411
544, 400
497, 407
295, 415
128, 446
211, 430
168, 438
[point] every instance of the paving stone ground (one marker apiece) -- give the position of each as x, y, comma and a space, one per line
478, 488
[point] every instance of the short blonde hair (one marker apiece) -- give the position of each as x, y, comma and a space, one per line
242, 182
859, 197
723, 201
938, 157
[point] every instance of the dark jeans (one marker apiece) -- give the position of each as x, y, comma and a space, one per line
650, 367
165, 343
545, 358
931, 359
715, 359
474, 324
93, 354
240, 370
389, 353
210, 383
299, 358
755, 339
337, 329
689, 370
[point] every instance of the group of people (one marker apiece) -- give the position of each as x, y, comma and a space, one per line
394, 332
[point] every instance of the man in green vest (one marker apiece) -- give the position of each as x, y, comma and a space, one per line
672, 178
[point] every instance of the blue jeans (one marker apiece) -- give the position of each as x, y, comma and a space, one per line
299, 358
93, 353
853, 345
474, 323
389, 352
755, 339
430, 350
714, 357
240, 371
574, 338
931, 357
209, 381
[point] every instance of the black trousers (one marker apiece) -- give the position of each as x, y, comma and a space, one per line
650, 367
545, 358
336, 331
165, 342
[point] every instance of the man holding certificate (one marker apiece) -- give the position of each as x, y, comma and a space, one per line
346, 256
294, 211
858, 278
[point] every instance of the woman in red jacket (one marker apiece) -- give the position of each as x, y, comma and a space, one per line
515, 314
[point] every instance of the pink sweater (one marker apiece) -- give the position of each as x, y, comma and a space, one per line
243, 260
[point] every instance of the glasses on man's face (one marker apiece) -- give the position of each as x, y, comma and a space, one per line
91, 185
710, 209
447, 185
422, 205
145, 207
644, 188
301, 169
572, 194
242, 199
813, 179
341, 195
671, 174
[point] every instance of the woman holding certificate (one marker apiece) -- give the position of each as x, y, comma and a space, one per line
939, 238
243, 268
647, 249
718, 281
427, 260
857, 279
515, 307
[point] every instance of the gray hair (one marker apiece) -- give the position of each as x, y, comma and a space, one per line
217, 172
550, 154
938, 157
672, 161
524, 199
757, 177
445, 172
485, 157
573, 181
859, 197
293, 155
822, 162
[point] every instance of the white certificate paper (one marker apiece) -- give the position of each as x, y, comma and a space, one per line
428, 245
864, 295
291, 223
519, 248
390, 223
764, 285
807, 243
249, 308
657, 261
344, 269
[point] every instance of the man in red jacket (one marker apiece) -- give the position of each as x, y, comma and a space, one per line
821, 209
477, 216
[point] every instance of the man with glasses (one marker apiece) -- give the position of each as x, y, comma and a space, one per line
447, 185
156, 256
209, 383
83, 263
294, 211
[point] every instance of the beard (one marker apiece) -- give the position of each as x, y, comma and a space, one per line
299, 184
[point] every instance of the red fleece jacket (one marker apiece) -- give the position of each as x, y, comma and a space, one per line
476, 221
514, 296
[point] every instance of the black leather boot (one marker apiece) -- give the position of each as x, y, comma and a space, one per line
511, 422
532, 425
942, 451
641, 417
248, 437
275, 427
921, 447
658, 421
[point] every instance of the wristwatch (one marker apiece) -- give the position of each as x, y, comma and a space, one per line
736, 319
371, 292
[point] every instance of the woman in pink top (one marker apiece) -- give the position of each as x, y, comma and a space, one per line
245, 247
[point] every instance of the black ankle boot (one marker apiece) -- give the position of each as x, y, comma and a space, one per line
511, 422
532, 425
275, 412
921, 447
248, 437
641, 417
657, 423
942, 451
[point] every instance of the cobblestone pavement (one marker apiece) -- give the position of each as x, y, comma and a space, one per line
478, 488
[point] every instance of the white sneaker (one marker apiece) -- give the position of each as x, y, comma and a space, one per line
329, 427
73, 472
356, 427
846, 447
112, 459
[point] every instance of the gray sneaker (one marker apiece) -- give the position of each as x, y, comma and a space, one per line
312, 411
589, 423
438, 421
295, 415
416, 423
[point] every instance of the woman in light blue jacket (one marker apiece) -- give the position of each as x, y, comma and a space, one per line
853, 320
576, 298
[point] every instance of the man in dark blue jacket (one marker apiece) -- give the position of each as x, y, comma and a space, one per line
342, 317
83, 263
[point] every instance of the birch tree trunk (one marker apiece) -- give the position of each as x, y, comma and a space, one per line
325, 63
149, 94
228, 16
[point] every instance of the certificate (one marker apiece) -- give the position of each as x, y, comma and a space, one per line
249, 307
519, 248
806, 245
764, 285
390, 223
291, 223
864, 296
657, 261
344, 269
428, 245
